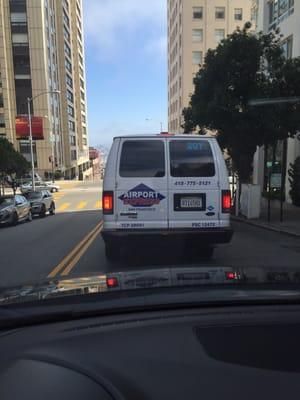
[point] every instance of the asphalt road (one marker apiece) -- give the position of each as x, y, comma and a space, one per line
70, 244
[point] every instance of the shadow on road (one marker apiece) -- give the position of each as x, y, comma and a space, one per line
159, 255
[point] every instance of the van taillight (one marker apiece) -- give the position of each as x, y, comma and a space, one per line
226, 201
108, 202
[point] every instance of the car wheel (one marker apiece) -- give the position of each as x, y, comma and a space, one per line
112, 251
52, 209
29, 218
43, 212
15, 219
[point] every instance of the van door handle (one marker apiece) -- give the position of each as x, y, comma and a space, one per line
128, 214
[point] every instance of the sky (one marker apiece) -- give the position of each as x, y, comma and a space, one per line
126, 67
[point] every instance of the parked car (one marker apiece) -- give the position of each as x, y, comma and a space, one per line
41, 202
166, 185
14, 209
40, 186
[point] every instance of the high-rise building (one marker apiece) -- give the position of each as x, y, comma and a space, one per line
42, 51
194, 26
285, 15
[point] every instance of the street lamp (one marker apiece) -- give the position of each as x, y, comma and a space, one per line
29, 101
155, 120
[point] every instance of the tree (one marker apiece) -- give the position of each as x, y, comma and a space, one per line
12, 163
245, 66
294, 179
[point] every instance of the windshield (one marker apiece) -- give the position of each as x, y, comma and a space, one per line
163, 148
6, 201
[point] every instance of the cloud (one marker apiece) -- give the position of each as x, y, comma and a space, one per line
109, 23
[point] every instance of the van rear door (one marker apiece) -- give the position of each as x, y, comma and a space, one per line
141, 184
194, 192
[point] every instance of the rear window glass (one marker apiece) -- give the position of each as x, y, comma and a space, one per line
142, 159
33, 195
191, 158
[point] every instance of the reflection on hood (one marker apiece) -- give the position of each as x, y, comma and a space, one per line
216, 277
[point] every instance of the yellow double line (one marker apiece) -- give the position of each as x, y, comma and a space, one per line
69, 262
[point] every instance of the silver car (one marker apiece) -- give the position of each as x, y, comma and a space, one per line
40, 186
41, 202
14, 209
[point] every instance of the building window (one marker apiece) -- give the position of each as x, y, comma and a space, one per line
68, 65
220, 13
70, 96
83, 118
71, 111
73, 140
82, 95
197, 12
66, 34
278, 8
67, 49
219, 34
238, 14
2, 121
81, 83
197, 57
69, 81
73, 155
66, 19
287, 47
84, 141
197, 35
1, 100
71, 126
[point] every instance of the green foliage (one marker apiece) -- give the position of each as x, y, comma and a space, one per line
245, 66
11, 161
294, 179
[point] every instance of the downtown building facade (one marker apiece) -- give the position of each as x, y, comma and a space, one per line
42, 51
194, 26
285, 15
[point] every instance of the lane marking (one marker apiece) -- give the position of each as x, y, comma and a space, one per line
81, 205
98, 204
81, 252
63, 207
73, 253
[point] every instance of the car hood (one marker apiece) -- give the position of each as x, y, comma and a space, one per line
196, 277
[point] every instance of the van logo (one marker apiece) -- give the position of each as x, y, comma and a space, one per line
141, 196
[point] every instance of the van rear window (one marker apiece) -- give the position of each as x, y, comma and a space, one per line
142, 159
191, 158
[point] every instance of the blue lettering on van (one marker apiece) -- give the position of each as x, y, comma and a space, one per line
141, 196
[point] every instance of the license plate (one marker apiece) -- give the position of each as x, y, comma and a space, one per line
191, 202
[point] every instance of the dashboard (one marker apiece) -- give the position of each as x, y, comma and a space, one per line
243, 352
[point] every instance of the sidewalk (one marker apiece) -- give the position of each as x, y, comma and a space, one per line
290, 225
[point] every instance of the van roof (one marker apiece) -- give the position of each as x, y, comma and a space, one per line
165, 135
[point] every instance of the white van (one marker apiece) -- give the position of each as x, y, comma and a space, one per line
166, 185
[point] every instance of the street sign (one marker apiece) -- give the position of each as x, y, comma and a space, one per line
275, 181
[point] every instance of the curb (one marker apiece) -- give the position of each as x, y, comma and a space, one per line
265, 226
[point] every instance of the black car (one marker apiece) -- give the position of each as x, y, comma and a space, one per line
14, 209
41, 202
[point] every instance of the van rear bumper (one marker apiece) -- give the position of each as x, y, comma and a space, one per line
206, 235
